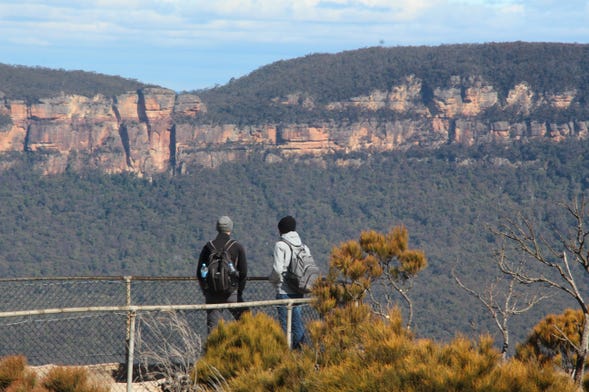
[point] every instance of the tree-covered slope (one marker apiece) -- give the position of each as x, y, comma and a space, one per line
93, 224
545, 67
33, 83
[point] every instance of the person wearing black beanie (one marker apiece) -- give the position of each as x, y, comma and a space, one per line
289, 242
286, 224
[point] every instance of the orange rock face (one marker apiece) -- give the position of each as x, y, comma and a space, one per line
152, 130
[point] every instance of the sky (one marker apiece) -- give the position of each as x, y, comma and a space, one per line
188, 45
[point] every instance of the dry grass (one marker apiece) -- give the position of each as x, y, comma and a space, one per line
103, 374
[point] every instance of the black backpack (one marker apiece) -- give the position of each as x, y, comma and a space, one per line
302, 271
222, 277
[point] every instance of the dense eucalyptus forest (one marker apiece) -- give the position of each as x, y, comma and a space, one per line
448, 199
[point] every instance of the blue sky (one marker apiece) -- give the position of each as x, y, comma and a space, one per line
193, 44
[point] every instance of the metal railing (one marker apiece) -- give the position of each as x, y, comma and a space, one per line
92, 320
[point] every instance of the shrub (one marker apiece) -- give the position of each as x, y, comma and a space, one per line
379, 356
12, 368
167, 348
554, 340
29, 383
251, 346
71, 379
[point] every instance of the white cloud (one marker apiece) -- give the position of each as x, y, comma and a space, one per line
188, 30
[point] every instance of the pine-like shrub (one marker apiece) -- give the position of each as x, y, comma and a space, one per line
251, 346
554, 340
378, 356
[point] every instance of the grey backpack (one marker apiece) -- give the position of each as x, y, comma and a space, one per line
302, 271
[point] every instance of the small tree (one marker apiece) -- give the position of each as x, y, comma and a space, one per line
356, 265
555, 339
502, 301
355, 348
552, 265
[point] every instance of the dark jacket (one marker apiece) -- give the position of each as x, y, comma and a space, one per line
237, 254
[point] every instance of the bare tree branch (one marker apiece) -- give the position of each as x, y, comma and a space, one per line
521, 233
501, 311
168, 349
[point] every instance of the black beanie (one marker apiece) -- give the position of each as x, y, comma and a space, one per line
286, 224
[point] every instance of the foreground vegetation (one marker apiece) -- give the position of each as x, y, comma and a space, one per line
362, 352
354, 348
17, 376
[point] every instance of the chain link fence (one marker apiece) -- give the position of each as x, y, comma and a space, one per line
85, 320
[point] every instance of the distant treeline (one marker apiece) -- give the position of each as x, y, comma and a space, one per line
545, 67
324, 78
32, 83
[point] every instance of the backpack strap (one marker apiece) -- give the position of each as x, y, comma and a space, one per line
211, 246
226, 248
229, 244
291, 246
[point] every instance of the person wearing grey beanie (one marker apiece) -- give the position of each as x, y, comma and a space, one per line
236, 253
224, 225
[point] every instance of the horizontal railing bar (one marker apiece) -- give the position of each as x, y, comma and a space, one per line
122, 278
136, 308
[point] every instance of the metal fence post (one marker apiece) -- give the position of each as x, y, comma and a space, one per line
130, 350
130, 333
128, 289
289, 324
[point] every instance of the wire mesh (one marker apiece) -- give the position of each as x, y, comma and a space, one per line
87, 338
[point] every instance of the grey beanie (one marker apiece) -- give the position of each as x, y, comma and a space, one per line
224, 224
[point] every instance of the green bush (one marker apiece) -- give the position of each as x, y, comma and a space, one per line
246, 348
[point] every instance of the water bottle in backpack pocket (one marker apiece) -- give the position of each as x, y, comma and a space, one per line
222, 276
204, 272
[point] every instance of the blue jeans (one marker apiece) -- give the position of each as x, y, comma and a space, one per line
298, 327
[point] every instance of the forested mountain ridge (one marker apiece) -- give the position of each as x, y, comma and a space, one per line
548, 69
372, 99
32, 84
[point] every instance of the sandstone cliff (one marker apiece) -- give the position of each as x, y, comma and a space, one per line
155, 130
